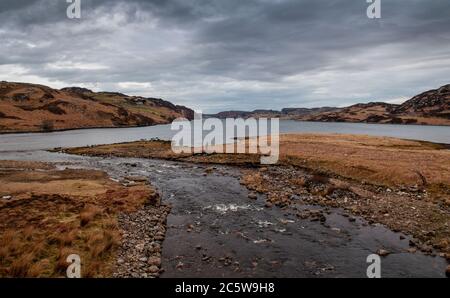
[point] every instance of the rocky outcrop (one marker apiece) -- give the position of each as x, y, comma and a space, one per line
433, 103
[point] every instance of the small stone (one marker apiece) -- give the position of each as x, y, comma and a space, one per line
198, 247
137, 178
401, 237
153, 269
426, 249
154, 261
139, 246
252, 196
180, 265
412, 250
144, 259
268, 205
382, 252
120, 261
7, 197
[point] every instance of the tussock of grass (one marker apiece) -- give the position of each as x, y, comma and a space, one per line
38, 231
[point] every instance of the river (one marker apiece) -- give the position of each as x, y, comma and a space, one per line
233, 236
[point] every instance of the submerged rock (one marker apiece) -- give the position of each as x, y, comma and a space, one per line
382, 252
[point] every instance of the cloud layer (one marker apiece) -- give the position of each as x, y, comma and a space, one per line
227, 54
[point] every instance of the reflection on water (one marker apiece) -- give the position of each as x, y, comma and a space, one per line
84, 137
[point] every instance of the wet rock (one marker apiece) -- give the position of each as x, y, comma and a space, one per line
426, 249
180, 265
252, 196
137, 178
382, 252
412, 243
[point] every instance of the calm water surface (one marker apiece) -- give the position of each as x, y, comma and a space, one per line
84, 137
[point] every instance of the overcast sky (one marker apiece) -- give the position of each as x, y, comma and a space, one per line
218, 55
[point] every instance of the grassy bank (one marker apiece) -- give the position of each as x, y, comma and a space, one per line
47, 214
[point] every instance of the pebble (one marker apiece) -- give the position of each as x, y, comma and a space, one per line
180, 265
252, 196
382, 252
154, 261
141, 242
153, 269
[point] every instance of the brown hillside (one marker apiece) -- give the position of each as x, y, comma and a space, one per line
32, 108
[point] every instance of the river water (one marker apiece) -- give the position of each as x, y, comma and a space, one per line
214, 230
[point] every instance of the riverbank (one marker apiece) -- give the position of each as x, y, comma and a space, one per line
402, 184
48, 213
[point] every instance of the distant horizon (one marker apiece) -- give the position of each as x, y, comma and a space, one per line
396, 102
215, 55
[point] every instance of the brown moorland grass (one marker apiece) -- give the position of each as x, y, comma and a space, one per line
402, 184
53, 214
375, 160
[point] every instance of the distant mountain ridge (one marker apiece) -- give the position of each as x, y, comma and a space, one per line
32, 108
429, 108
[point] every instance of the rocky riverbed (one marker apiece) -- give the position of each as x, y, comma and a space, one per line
143, 233
217, 227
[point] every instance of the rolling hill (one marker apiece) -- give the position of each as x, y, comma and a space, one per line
428, 108
33, 108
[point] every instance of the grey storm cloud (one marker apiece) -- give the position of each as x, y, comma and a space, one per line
228, 54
